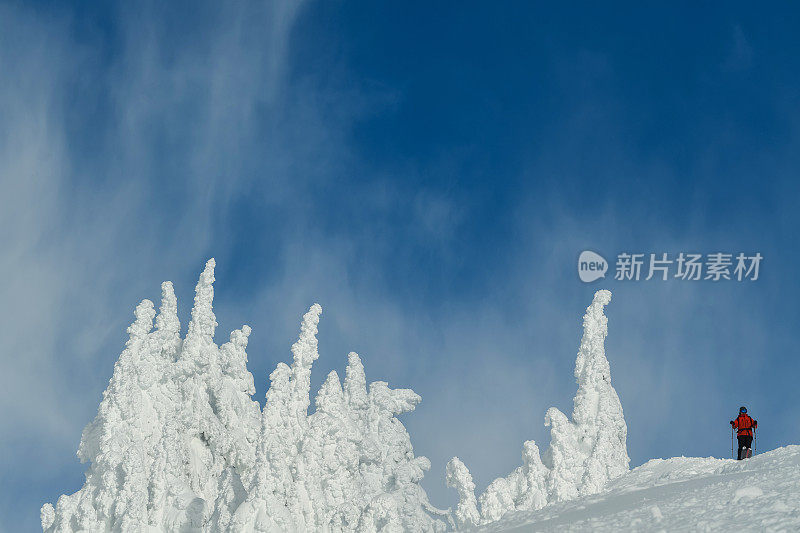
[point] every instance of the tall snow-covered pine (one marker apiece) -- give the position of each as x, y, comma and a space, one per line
584, 453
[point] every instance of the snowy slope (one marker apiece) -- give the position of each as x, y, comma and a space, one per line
682, 494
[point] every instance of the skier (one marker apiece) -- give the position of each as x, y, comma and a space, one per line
744, 434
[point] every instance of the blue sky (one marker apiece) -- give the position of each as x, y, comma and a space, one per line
429, 174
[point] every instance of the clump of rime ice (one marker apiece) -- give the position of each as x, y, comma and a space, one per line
178, 443
585, 452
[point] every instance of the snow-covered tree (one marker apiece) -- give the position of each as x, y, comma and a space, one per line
389, 471
122, 442
591, 449
277, 498
459, 478
349, 466
179, 444
584, 454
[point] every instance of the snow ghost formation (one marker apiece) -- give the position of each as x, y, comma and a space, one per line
178, 443
584, 452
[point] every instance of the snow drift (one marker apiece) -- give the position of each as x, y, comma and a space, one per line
681, 494
584, 454
178, 443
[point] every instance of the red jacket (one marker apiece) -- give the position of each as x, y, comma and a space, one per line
744, 424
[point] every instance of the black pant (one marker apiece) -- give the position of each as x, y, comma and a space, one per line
744, 442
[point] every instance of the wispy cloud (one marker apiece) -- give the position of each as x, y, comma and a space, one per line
119, 164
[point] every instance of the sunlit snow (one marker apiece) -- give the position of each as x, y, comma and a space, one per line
179, 444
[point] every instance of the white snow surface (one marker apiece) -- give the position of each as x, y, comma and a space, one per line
681, 494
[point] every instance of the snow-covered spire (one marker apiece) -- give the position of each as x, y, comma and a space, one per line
459, 478
124, 382
584, 453
203, 322
305, 353
590, 449
168, 325
564, 457
145, 312
305, 349
355, 382
330, 398
239, 338
278, 391
597, 408
233, 359
234, 440
273, 499
592, 370
535, 476
167, 319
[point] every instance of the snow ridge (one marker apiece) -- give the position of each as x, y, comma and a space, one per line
682, 494
178, 443
584, 454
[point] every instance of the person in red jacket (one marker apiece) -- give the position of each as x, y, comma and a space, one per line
744, 426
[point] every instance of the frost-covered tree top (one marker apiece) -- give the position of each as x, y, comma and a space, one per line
585, 452
178, 443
